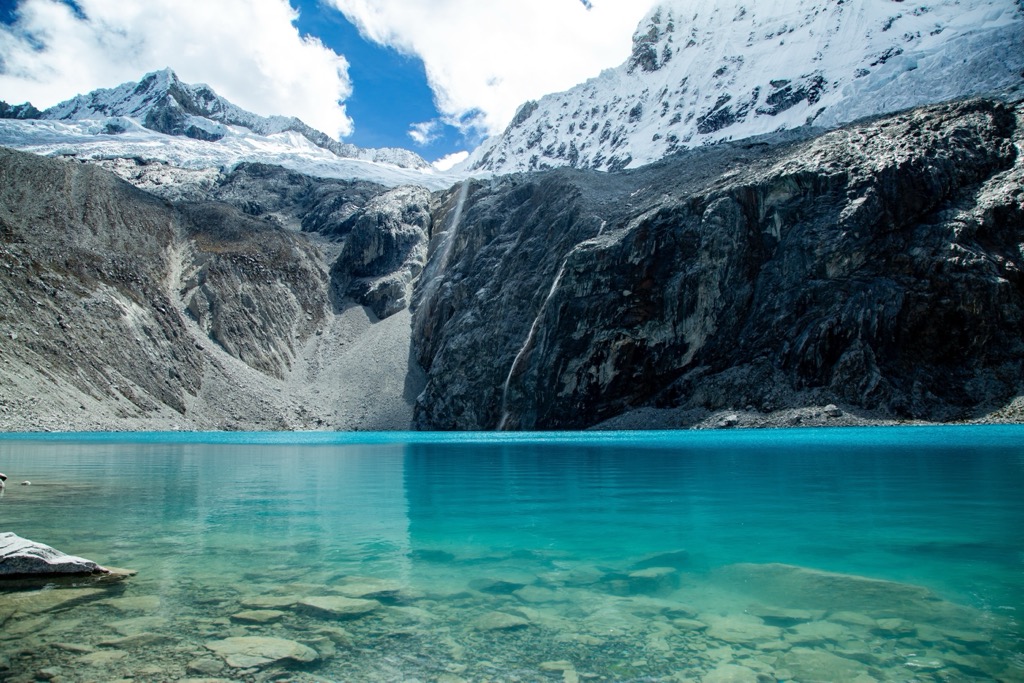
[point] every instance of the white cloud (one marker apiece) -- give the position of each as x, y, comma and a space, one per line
425, 132
249, 51
484, 59
446, 163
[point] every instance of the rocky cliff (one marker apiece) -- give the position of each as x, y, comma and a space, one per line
877, 266
209, 307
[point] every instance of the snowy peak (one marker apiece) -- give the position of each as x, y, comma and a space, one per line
161, 102
702, 73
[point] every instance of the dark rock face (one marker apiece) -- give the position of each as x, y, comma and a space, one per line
18, 111
877, 266
385, 251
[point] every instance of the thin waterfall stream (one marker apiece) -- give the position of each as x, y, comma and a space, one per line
502, 423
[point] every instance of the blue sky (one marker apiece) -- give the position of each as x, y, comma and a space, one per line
390, 92
434, 76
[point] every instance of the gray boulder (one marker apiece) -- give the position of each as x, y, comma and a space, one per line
21, 557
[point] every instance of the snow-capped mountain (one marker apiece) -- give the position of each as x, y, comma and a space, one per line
161, 102
701, 73
192, 127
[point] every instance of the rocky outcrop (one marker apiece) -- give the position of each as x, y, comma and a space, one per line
84, 260
20, 557
877, 266
27, 564
385, 251
99, 281
254, 288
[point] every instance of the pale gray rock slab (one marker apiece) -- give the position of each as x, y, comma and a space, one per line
820, 665
500, 621
243, 652
337, 607
732, 673
20, 557
269, 601
740, 629
258, 616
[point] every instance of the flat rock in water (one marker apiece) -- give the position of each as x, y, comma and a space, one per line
806, 664
740, 629
803, 588
677, 559
369, 588
731, 673
269, 601
246, 652
41, 601
500, 621
258, 616
337, 607
20, 557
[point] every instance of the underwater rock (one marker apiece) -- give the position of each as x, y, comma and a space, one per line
246, 652
678, 559
815, 633
258, 616
135, 603
337, 607
806, 664
780, 616
369, 588
804, 588
102, 658
653, 580
732, 673
538, 595
43, 601
740, 629
269, 601
500, 621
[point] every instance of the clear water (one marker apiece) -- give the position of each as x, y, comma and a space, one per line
792, 555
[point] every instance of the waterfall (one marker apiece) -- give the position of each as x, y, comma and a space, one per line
437, 265
526, 345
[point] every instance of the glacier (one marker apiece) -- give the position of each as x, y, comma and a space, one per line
702, 74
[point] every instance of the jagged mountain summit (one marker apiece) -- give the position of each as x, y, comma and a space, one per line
160, 118
704, 73
161, 102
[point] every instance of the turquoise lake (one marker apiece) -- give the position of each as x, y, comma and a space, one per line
880, 554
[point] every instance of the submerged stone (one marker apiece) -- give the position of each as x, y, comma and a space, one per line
804, 588
677, 559
379, 589
269, 601
653, 580
257, 616
806, 664
500, 621
538, 595
740, 629
781, 616
48, 600
260, 651
815, 632
337, 607
732, 673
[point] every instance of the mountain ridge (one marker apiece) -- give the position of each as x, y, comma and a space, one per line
705, 75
